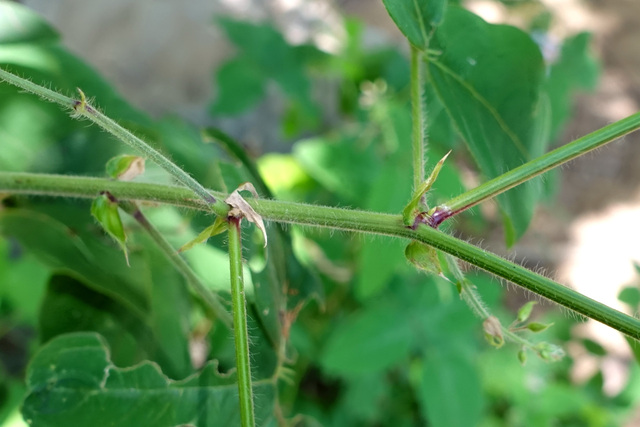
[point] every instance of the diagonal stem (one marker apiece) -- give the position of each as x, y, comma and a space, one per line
529, 170
82, 109
210, 299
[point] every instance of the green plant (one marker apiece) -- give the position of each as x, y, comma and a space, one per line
147, 316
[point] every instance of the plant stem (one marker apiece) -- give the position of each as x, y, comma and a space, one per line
240, 323
536, 167
83, 109
418, 117
328, 217
41, 91
210, 299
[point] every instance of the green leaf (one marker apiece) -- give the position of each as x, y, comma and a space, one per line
60, 247
170, 312
416, 18
72, 381
525, 311
105, 210
450, 392
593, 347
630, 296
345, 166
240, 86
24, 281
267, 56
490, 84
368, 341
70, 306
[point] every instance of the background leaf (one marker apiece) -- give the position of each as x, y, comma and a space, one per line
490, 85
71, 381
450, 391
416, 18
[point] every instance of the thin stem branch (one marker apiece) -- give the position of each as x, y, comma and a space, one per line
542, 164
210, 299
41, 91
418, 117
335, 218
82, 109
240, 324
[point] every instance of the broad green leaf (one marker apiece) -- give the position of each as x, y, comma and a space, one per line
170, 312
23, 282
345, 166
630, 296
370, 340
490, 85
450, 392
72, 381
416, 19
59, 247
240, 86
268, 56
70, 306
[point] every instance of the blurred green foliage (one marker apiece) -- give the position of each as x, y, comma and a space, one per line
376, 343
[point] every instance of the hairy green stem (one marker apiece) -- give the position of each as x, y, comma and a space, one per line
328, 217
209, 298
240, 323
418, 117
83, 109
536, 167
41, 91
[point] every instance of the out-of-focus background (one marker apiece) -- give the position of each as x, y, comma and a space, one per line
160, 55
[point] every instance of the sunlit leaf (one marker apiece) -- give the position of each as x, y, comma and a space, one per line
490, 85
416, 18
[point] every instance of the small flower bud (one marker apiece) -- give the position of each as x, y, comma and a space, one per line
125, 167
493, 331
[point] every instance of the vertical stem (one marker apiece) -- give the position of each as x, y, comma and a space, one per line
210, 299
418, 117
240, 323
